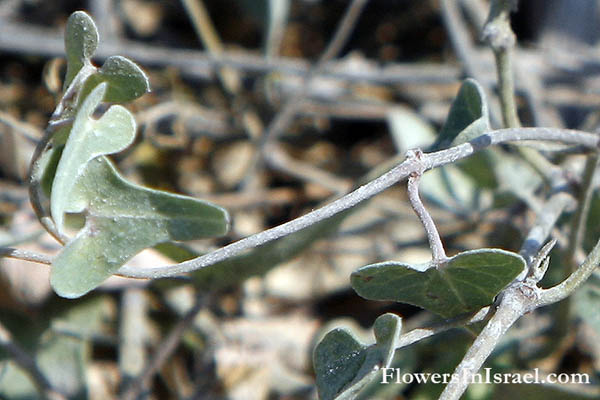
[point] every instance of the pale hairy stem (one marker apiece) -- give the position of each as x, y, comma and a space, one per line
418, 334
56, 122
499, 35
508, 104
546, 220
370, 189
401, 171
566, 287
433, 236
25, 255
583, 208
515, 302
563, 313
524, 295
520, 298
512, 302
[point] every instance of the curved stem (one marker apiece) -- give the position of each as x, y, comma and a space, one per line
578, 225
512, 306
418, 334
396, 174
56, 122
401, 171
499, 35
9, 252
433, 236
566, 287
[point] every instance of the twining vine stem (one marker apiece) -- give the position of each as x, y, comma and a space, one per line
396, 174
516, 300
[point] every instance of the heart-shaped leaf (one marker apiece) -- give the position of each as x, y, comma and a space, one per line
121, 219
81, 41
343, 365
89, 138
467, 282
468, 116
125, 79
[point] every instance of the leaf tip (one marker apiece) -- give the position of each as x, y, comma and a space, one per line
81, 38
387, 328
63, 287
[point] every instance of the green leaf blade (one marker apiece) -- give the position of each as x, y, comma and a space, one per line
468, 282
121, 220
88, 139
125, 80
81, 41
468, 116
337, 360
343, 365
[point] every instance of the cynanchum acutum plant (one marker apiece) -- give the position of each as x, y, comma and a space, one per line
103, 220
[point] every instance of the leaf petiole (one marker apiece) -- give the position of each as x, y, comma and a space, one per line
433, 236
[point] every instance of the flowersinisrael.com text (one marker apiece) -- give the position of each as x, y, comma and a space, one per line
395, 375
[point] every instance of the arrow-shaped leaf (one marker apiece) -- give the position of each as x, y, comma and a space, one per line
89, 138
121, 220
467, 282
343, 365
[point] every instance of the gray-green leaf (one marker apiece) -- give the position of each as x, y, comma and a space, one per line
126, 80
343, 365
121, 220
88, 139
468, 116
467, 282
81, 41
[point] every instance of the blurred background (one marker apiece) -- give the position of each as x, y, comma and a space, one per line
252, 108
